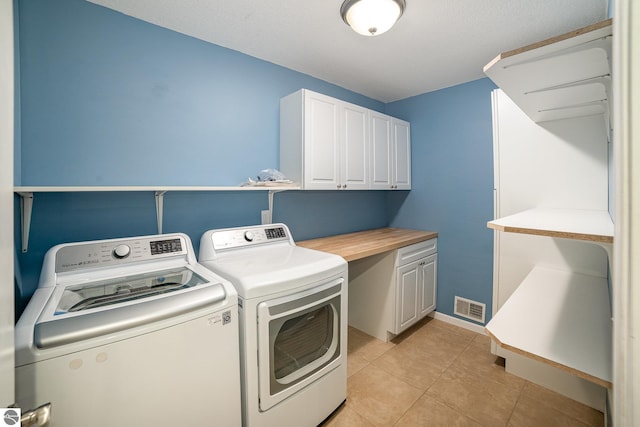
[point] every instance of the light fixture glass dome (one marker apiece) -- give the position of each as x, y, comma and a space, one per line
371, 17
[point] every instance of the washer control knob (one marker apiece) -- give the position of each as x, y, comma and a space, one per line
121, 251
248, 236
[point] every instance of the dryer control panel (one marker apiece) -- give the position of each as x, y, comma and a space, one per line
107, 253
250, 236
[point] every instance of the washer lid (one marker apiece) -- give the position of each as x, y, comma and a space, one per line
79, 312
267, 270
128, 288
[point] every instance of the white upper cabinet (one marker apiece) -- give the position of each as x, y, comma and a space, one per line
321, 146
354, 154
328, 144
391, 153
562, 77
324, 142
401, 155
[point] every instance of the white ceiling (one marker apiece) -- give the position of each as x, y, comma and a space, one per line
435, 44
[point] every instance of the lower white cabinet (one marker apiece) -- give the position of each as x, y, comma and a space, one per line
415, 292
390, 292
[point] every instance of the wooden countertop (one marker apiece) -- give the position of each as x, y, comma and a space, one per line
361, 244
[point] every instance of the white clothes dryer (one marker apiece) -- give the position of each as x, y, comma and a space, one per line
293, 323
130, 332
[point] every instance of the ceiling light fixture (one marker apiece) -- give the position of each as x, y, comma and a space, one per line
371, 17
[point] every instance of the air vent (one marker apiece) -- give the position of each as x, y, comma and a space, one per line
470, 309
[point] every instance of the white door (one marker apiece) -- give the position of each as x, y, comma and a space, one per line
428, 284
401, 155
7, 377
321, 149
354, 171
381, 146
407, 295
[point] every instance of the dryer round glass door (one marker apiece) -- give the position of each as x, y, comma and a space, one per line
299, 340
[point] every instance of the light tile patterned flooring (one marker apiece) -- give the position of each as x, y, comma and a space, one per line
437, 374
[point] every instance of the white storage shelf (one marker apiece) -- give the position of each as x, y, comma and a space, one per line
26, 197
587, 225
559, 318
562, 77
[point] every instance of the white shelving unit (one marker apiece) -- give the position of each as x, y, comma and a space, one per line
560, 318
26, 197
562, 77
588, 225
551, 293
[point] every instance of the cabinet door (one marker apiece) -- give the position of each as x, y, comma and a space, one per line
321, 149
391, 153
401, 164
407, 295
428, 284
416, 285
381, 146
354, 158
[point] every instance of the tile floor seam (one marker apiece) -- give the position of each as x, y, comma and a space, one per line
457, 411
446, 403
398, 379
513, 410
383, 353
471, 417
413, 403
423, 394
408, 409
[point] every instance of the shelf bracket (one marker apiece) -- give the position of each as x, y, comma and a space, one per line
159, 209
26, 207
608, 248
267, 216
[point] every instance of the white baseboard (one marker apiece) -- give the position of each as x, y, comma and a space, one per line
458, 322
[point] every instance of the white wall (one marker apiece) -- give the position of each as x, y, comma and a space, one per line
6, 204
626, 271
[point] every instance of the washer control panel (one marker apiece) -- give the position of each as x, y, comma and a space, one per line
117, 252
250, 236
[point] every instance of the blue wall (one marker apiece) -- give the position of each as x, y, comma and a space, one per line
110, 100
452, 186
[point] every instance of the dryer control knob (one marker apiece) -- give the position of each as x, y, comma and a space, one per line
121, 251
248, 236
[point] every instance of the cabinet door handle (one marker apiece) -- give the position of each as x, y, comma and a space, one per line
338, 186
344, 185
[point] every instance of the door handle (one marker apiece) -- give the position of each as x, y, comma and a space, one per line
38, 417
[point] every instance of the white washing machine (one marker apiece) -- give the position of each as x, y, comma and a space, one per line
130, 332
293, 323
